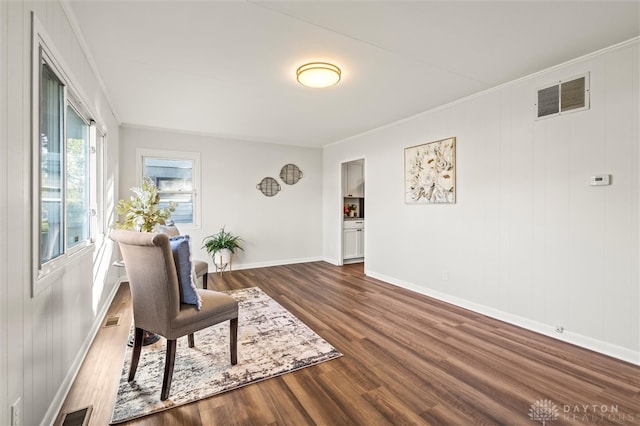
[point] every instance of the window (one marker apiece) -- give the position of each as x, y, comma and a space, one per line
77, 179
66, 164
51, 164
176, 177
65, 185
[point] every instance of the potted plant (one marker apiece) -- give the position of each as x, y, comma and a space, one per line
142, 211
221, 246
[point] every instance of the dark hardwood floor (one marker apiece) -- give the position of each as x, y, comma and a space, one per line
408, 359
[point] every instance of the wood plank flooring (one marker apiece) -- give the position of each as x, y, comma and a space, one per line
408, 359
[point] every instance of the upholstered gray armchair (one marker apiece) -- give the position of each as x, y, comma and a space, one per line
157, 307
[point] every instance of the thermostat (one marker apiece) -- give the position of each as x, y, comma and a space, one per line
598, 180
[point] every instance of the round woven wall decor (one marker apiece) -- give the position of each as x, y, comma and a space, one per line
268, 186
290, 174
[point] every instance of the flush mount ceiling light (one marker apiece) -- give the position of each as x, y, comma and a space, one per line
318, 74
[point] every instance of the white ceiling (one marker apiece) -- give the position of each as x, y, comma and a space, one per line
228, 68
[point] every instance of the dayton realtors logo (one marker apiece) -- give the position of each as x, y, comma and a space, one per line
543, 410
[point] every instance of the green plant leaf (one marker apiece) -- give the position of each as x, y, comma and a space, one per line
221, 240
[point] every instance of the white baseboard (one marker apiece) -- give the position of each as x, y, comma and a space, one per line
240, 266
615, 351
334, 262
65, 386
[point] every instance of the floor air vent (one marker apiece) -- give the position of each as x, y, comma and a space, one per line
570, 95
77, 418
112, 321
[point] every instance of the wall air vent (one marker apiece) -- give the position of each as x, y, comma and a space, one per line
78, 418
565, 96
112, 321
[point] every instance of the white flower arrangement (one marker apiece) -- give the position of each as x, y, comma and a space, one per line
142, 211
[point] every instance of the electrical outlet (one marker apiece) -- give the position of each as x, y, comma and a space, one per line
559, 329
16, 413
445, 275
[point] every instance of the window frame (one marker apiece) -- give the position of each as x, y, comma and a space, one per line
97, 203
194, 157
85, 242
44, 51
44, 58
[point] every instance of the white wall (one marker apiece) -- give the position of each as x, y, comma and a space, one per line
528, 241
43, 338
285, 228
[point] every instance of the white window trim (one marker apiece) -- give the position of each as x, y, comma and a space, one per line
141, 153
98, 140
69, 101
41, 43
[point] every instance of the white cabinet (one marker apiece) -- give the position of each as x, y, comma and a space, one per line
353, 239
351, 243
353, 179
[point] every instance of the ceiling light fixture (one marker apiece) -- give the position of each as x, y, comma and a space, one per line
318, 74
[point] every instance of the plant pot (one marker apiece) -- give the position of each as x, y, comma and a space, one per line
222, 258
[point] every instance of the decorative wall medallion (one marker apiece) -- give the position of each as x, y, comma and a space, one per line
268, 186
290, 174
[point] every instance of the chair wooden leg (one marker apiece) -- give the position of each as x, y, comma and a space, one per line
191, 340
168, 369
204, 280
233, 338
135, 355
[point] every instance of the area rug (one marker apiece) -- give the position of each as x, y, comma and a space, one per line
271, 342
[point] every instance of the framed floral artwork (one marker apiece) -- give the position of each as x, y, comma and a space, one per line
430, 173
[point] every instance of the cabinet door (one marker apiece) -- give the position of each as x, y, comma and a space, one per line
360, 243
350, 244
355, 179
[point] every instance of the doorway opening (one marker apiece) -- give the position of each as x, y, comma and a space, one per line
353, 211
